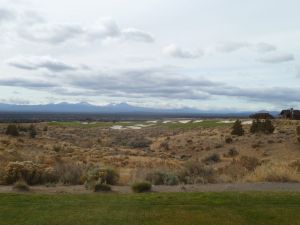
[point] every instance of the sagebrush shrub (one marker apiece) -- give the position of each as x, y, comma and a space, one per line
259, 126
141, 187
98, 175
69, 173
102, 188
298, 133
197, 172
161, 178
12, 130
21, 185
214, 158
27, 171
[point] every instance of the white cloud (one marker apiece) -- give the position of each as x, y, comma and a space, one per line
261, 47
177, 52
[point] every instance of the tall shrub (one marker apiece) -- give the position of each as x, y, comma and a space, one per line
237, 128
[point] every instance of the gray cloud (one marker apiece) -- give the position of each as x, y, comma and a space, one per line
264, 47
6, 15
232, 46
277, 58
272, 94
44, 62
26, 83
50, 33
160, 82
133, 34
177, 52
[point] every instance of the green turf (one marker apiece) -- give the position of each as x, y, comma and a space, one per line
89, 125
155, 208
191, 125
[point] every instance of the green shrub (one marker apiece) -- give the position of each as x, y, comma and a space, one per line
12, 130
237, 128
197, 172
141, 187
259, 126
27, 171
160, 178
102, 188
21, 186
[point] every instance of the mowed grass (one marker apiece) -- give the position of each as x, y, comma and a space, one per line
89, 125
191, 125
151, 208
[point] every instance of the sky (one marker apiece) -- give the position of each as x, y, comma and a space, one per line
205, 54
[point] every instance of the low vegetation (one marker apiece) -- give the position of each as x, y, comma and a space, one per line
141, 187
298, 133
195, 172
21, 185
237, 128
162, 178
262, 126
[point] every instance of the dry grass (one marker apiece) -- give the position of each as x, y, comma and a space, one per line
274, 172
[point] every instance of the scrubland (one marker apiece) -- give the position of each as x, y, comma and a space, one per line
163, 153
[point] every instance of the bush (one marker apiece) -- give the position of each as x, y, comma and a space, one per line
32, 131
214, 158
102, 188
259, 126
21, 186
12, 130
197, 172
298, 133
141, 187
237, 128
228, 140
27, 171
97, 175
232, 153
69, 173
160, 178
250, 163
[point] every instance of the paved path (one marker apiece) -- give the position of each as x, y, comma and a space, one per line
80, 189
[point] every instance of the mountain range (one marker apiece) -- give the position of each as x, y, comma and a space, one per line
84, 107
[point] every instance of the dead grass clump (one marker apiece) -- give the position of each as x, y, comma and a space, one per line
238, 169
275, 172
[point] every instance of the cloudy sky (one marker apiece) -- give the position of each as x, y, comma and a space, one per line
208, 54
